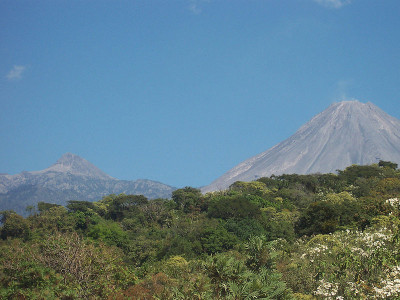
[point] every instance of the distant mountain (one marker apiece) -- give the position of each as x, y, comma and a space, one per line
73, 164
346, 133
70, 178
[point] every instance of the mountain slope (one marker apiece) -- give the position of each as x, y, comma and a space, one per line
346, 133
73, 164
70, 178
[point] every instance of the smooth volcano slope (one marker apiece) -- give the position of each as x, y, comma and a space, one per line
346, 133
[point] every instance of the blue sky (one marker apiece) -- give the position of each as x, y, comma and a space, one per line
181, 91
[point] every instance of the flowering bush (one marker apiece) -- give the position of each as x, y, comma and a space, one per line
390, 284
350, 264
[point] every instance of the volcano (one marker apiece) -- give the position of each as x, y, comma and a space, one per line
346, 133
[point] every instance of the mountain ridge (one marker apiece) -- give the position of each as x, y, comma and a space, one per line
70, 178
347, 132
74, 164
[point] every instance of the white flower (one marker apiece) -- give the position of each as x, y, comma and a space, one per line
395, 202
390, 286
326, 289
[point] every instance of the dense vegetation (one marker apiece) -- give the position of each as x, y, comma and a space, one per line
321, 236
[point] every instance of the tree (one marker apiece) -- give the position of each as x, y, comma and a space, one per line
109, 232
83, 206
217, 239
352, 173
14, 226
328, 215
233, 206
62, 266
387, 164
123, 206
256, 188
187, 199
44, 206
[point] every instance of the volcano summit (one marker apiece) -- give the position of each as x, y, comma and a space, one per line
346, 133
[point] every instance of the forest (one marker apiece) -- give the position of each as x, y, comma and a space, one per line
319, 236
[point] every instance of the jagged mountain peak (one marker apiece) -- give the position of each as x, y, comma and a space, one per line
347, 132
76, 165
70, 178
69, 158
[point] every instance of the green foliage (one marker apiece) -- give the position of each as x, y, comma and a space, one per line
233, 206
118, 207
347, 264
234, 280
14, 226
244, 228
156, 212
56, 218
320, 236
388, 187
125, 206
255, 188
388, 164
259, 253
43, 206
108, 232
61, 266
24, 277
217, 239
80, 206
188, 199
278, 224
328, 215
352, 173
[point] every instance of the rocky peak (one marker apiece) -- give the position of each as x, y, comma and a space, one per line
76, 165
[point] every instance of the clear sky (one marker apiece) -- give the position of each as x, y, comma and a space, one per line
180, 91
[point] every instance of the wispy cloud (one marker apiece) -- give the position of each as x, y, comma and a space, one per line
333, 3
195, 6
342, 89
16, 72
